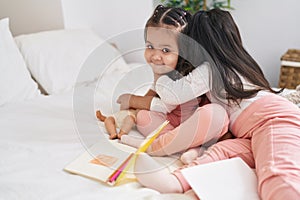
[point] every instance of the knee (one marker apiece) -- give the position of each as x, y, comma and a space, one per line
213, 110
143, 118
214, 116
143, 122
109, 120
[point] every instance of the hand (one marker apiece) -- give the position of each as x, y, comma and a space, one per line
124, 101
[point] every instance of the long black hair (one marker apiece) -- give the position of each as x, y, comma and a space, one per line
217, 33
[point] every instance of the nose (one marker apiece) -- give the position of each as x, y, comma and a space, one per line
156, 56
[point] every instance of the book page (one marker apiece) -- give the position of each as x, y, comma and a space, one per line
227, 179
101, 160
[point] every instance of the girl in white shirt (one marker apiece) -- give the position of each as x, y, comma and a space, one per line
162, 36
232, 78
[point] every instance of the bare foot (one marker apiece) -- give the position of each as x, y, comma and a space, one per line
191, 154
113, 136
121, 133
100, 116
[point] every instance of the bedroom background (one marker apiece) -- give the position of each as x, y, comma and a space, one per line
42, 134
268, 28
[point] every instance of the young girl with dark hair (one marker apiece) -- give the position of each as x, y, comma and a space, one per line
163, 33
268, 123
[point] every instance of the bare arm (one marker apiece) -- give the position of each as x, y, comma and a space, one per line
150, 101
147, 102
136, 102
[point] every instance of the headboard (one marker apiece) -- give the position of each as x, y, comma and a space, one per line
121, 22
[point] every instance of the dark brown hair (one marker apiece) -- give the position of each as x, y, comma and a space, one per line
217, 33
177, 19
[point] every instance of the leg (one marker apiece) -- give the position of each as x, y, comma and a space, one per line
155, 176
207, 124
100, 116
225, 149
110, 126
148, 121
191, 154
273, 124
220, 151
127, 125
276, 148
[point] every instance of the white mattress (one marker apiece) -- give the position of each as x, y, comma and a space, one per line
39, 138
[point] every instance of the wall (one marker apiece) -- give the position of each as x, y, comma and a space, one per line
121, 22
268, 29
28, 16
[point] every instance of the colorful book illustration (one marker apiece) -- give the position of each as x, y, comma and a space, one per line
112, 162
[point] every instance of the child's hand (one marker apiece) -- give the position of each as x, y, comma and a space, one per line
124, 101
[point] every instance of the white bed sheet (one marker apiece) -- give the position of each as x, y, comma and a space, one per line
39, 138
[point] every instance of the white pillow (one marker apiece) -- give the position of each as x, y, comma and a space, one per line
16, 83
55, 58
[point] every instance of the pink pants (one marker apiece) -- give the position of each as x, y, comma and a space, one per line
273, 124
207, 123
225, 149
270, 128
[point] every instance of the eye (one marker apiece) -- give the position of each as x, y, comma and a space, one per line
149, 46
166, 50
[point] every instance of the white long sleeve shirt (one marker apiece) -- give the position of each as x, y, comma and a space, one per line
159, 106
196, 84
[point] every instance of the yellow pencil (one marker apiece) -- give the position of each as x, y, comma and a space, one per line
143, 147
150, 138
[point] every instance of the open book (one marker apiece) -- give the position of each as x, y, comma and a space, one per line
107, 157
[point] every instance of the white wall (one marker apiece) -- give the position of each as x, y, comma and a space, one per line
122, 22
268, 29
28, 16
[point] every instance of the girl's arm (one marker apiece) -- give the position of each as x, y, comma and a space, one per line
127, 101
147, 102
139, 102
185, 89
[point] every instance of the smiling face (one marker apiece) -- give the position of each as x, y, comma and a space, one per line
161, 51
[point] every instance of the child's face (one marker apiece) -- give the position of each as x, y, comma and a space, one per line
161, 51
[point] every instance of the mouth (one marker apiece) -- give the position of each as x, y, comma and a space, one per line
157, 65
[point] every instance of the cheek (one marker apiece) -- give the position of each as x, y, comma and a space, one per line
172, 60
147, 55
